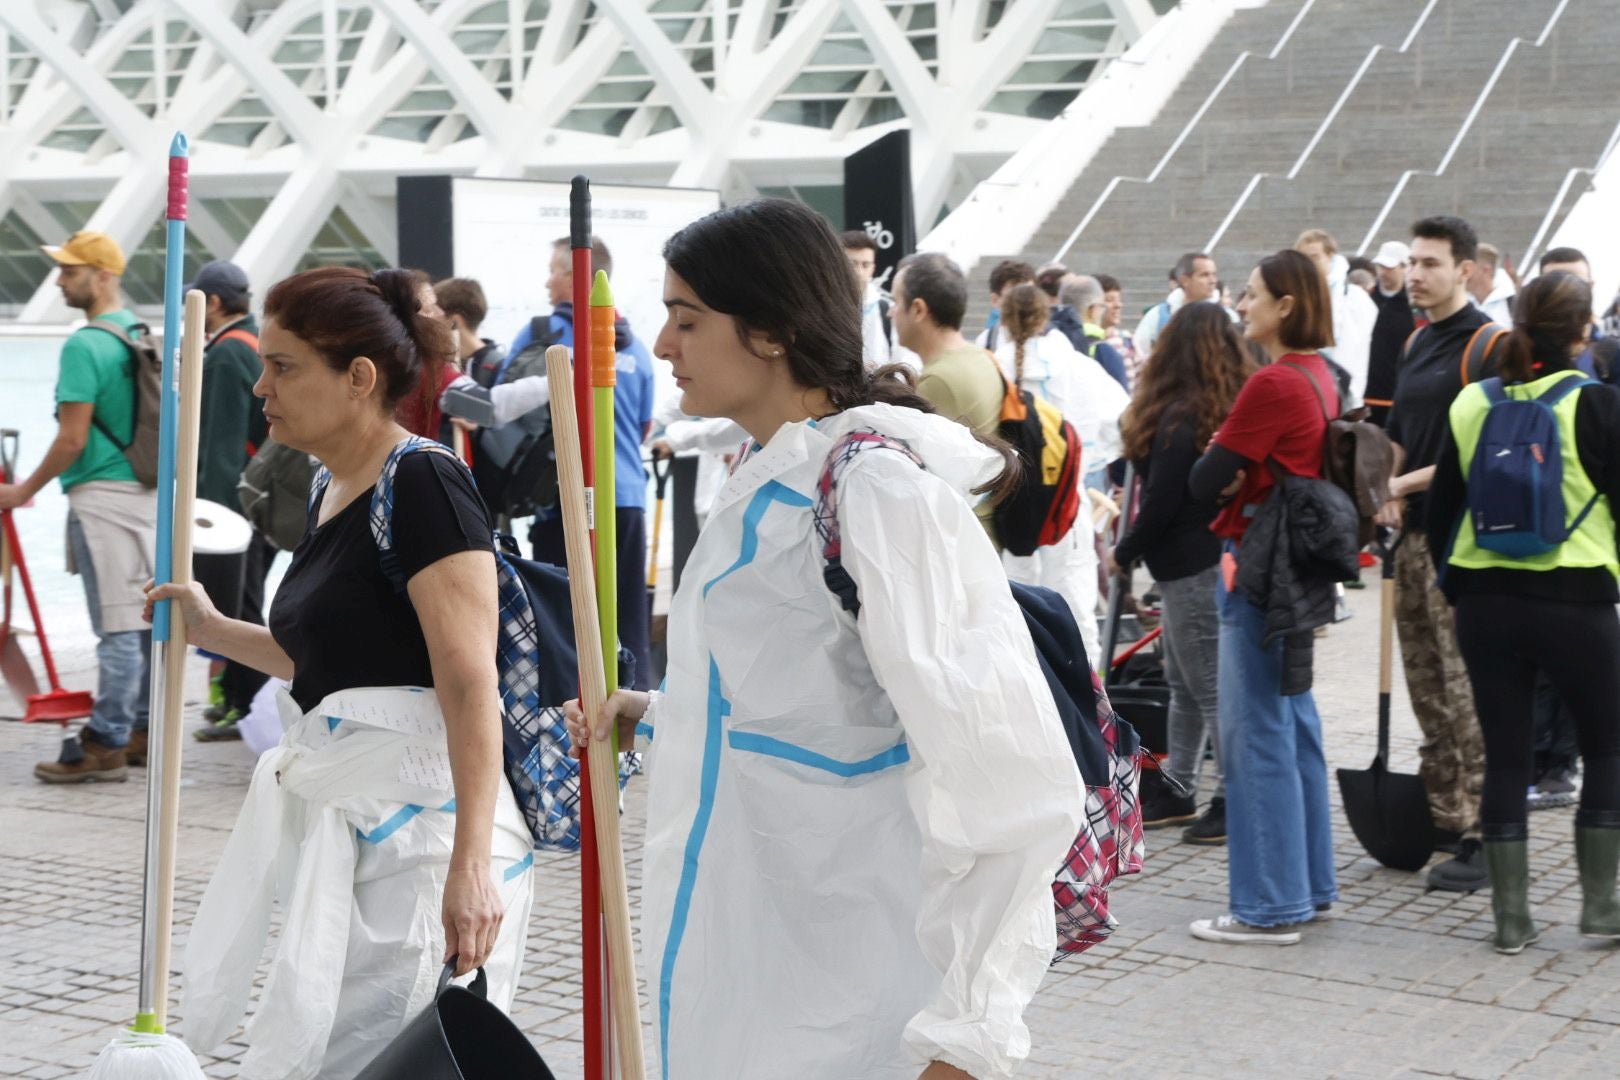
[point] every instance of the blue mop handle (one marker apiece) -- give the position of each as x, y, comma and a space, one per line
168, 418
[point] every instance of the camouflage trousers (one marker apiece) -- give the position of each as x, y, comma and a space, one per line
1453, 750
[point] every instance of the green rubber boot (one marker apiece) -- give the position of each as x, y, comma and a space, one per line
1509, 863
1597, 853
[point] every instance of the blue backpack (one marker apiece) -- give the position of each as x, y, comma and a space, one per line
1516, 479
535, 656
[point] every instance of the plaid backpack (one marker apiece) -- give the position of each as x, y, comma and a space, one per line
1106, 747
536, 658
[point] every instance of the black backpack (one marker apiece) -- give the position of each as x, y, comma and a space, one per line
140, 449
515, 465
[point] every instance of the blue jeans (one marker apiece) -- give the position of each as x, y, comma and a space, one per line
123, 691
1279, 837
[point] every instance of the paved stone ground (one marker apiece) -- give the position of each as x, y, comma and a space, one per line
1403, 983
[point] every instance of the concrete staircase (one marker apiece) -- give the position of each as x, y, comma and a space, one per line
1551, 109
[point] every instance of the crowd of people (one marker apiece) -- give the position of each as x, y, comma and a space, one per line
769, 749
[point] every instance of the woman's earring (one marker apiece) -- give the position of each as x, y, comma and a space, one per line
354, 393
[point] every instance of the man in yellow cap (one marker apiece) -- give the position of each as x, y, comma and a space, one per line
111, 515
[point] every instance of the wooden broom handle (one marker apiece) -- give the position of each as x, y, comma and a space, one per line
602, 762
185, 502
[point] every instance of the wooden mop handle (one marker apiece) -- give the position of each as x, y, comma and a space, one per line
185, 501
601, 761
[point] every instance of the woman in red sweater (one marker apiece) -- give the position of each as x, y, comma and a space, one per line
1279, 836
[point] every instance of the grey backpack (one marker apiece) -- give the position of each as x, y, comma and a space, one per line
274, 493
140, 449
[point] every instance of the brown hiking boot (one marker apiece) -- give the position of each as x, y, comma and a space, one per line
135, 752
84, 759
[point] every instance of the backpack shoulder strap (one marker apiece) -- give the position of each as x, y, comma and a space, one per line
1559, 390
1406, 349
825, 513
1321, 396
1477, 353
1495, 391
111, 328
381, 513
247, 337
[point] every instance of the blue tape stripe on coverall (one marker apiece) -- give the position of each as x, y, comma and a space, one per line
401, 816
753, 743
719, 709
518, 867
392, 825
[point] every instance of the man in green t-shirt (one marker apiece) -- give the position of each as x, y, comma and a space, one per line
959, 378
111, 516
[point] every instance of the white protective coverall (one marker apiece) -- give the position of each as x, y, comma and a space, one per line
1354, 314
1092, 402
349, 822
852, 826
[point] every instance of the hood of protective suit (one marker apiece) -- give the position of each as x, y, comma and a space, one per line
1338, 270
947, 447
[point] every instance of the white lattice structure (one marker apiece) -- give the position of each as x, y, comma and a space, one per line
301, 113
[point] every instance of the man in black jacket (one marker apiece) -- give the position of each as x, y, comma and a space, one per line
1394, 325
1452, 757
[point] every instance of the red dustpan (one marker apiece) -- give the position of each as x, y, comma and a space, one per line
56, 703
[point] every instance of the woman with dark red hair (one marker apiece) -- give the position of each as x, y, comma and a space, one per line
383, 821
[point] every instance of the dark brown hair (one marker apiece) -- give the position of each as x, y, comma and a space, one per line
1198, 365
1050, 278
857, 240
1309, 326
1024, 313
1550, 314
778, 269
1455, 231
464, 297
1009, 272
342, 312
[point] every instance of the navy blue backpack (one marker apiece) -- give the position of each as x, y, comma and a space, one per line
1516, 479
536, 659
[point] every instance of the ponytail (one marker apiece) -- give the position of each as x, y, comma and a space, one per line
1518, 361
1551, 316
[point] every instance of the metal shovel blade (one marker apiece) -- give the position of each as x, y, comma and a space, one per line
1389, 813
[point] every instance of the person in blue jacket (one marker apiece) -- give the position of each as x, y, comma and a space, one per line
633, 400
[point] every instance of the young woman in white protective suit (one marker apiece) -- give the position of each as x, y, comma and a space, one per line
852, 822
382, 823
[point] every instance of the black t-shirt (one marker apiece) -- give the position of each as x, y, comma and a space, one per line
1428, 380
336, 613
1171, 531
1597, 438
1394, 325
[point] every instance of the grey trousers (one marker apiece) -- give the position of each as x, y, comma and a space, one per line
1192, 636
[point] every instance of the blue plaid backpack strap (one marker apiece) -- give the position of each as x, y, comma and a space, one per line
382, 502
317, 487
825, 513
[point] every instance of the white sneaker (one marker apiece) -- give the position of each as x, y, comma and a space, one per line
1232, 931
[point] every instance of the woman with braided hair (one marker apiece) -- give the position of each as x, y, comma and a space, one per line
1043, 362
